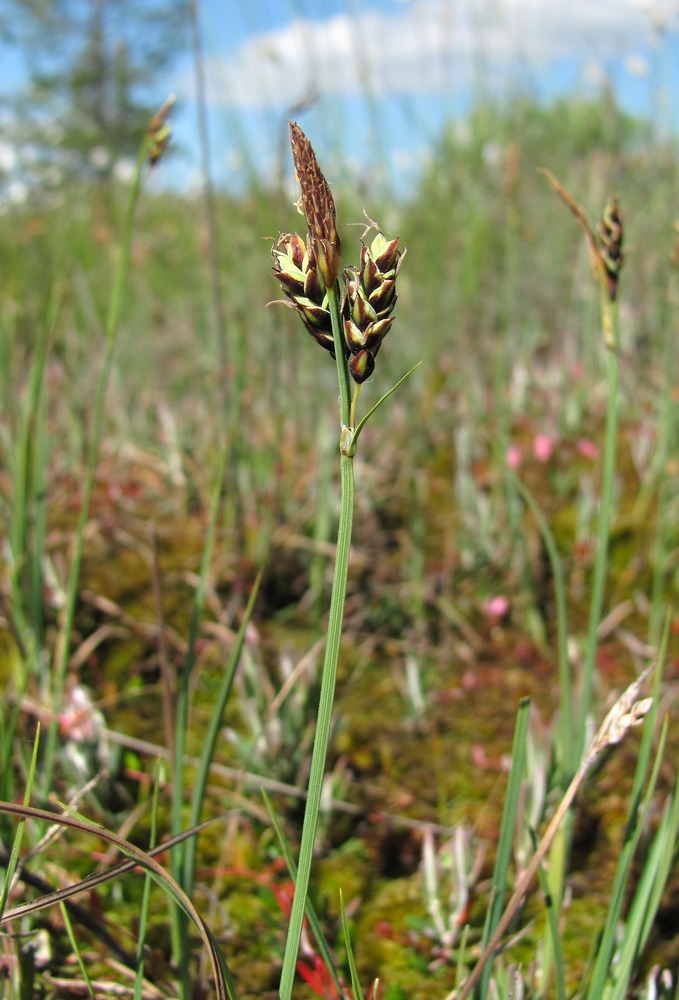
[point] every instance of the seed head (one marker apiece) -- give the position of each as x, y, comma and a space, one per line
296, 268
318, 205
370, 299
159, 132
610, 250
605, 252
361, 366
309, 270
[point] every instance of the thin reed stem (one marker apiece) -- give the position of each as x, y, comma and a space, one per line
567, 748
602, 540
329, 676
607, 258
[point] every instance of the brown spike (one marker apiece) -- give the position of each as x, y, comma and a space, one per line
318, 204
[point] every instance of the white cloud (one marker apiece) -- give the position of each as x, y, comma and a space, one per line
637, 66
428, 46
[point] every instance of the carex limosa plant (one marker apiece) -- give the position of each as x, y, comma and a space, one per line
605, 248
622, 936
348, 312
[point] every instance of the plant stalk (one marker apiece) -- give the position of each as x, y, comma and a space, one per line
329, 676
603, 532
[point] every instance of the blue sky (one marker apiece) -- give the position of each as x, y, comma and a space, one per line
379, 78
372, 82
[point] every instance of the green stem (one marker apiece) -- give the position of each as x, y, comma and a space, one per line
568, 759
603, 535
329, 676
342, 367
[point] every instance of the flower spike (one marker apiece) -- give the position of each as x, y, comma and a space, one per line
370, 300
361, 298
610, 237
318, 204
296, 268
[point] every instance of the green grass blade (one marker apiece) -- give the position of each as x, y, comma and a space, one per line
355, 981
553, 908
361, 424
146, 893
27, 512
606, 505
75, 948
330, 662
506, 837
10, 871
567, 745
212, 735
647, 896
637, 814
311, 915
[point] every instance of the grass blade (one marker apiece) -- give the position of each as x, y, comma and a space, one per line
212, 735
13, 862
146, 893
311, 916
506, 837
355, 981
637, 813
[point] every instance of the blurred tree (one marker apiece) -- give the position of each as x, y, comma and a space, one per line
92, 68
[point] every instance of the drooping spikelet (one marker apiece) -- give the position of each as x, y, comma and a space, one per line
610, 249
296, 267
369, 302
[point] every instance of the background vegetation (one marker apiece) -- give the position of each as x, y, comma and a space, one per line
451, 617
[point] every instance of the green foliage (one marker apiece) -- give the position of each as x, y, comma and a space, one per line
496, 301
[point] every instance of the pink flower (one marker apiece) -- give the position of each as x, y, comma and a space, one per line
587, 448
79, 719
513, 456
496, 608
543, 446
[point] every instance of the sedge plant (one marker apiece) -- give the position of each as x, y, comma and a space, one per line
348, 312
606, 256
605, 246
